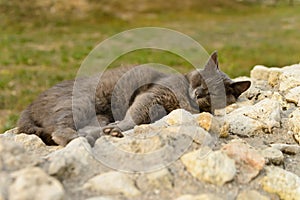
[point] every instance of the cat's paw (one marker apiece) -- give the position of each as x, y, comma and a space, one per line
112, 130
64, 136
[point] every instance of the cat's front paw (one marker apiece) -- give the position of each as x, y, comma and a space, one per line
112, 130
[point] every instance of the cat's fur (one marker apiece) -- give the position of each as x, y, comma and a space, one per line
55, 118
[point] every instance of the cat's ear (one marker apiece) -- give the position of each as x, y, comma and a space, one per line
212, 63
240, 87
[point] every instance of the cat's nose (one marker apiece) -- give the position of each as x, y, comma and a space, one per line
200, 93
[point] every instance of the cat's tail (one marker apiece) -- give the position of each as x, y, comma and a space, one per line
27, 125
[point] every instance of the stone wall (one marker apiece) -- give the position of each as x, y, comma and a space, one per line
249, 151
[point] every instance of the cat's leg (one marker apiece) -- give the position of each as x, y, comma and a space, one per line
147, 107
94, 129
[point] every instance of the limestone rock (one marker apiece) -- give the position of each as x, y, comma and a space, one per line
294, 124
281, 182
248, 160
112, 183
13, 156
260, 72
272, 155
287, 148
34, 184
4, 183
213, 167
290, 78
161, 178
261, 117
251, 195
212, 124
73, 160
293, 96
100, 198
180, 117
199, 197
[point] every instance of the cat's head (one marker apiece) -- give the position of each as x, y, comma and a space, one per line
211, 75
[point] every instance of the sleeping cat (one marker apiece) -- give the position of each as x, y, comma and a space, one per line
120, 101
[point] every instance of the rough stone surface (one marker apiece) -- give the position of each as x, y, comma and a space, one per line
213, 167
247, 159
251, 195
199, 197
287, 148
294, 124
111, 183
272, 155
34, 184
281, 182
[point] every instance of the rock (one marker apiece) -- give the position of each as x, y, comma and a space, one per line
261, 117
281, 182
248, 160
210, 166
272, 155
149, 147
33, 183
112, 183
287, 148
274, 76
179, 117
162, 178
13, 156
290, 78
199, 197
212, 124
293, 96
294, 124
100, 198
250, 195
73, 160
4, 183
260, 72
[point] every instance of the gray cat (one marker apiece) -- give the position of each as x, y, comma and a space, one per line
125, 97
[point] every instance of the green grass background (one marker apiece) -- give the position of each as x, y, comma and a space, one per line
44, 42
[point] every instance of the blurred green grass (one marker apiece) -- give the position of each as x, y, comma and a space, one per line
44, 43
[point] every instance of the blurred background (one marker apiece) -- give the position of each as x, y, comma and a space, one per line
43, 42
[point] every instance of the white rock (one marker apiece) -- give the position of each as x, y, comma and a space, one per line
180, 117
4, 183
160, 179
272, 155
112, 183
294, 124
251, 195
100, 198
281, 182
73, 160
34, 184
248, 120
213, 166
293, 96
13, 156
198, 197
287, 148
274, 76
260, 72
290, 78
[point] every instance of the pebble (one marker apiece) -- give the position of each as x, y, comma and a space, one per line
248, 160
281, 182
34, 184
199, 197
251, 195
211, 166
112, 183
272, 155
